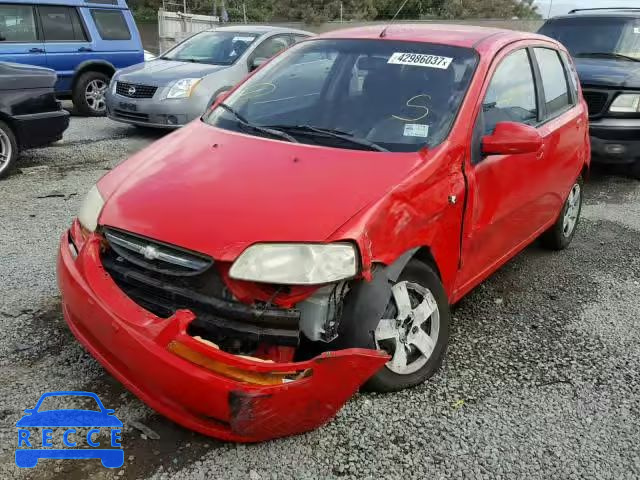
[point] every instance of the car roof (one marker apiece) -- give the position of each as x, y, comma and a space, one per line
446, 34
260, 29
604, 13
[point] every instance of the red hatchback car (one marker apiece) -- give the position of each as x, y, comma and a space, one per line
245, 275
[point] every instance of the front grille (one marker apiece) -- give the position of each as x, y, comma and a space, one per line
163, 278
597, 101
136, 117
133, 90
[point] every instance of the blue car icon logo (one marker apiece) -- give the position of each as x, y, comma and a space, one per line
67, 422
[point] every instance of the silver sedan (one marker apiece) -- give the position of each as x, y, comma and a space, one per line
181, 84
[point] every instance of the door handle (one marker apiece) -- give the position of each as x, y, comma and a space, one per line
540, 154
36, 50
85, 49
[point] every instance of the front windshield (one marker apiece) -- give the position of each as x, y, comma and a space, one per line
217, 48
354, 94
594, 36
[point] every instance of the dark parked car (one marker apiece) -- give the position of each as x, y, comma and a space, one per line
30, 115
605, 43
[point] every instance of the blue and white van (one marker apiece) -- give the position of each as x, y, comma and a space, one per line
84, 41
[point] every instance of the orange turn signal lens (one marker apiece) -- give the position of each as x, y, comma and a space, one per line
246, 376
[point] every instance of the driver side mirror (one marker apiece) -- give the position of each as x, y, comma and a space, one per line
511, 138
257, 63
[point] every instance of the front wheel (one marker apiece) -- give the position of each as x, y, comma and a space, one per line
560, 235
414, 330
89, 94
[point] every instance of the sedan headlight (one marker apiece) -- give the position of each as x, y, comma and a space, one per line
90, 209
626, 103
296, 263
183, 88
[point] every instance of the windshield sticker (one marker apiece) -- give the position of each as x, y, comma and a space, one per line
636, 30
416, 130
419, 60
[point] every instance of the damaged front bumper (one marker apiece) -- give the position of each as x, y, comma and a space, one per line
190, 381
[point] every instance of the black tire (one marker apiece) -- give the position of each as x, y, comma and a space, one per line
386, 380
7, 135
557, 238
80, 102
634, 170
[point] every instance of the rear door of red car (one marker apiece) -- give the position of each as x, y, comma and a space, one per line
504, 206
564, 128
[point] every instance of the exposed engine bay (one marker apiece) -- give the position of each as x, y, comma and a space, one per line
164, 279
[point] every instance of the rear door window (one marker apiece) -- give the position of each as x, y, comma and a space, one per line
17, 24
554, 81
111, 24
61, 24
511, 96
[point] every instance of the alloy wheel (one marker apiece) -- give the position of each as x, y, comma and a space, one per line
572, 211
411, 337
94, 94
6, 151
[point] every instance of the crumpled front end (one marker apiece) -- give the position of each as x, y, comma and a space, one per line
188, 378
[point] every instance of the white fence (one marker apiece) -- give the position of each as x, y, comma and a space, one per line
173, 27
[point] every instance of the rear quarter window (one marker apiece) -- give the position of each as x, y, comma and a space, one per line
111, 24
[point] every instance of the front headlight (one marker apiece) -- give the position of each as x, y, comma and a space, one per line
296, 263
183, 88
626, 103
90, 209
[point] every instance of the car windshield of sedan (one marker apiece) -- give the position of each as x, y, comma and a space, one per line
355, 94
216, 48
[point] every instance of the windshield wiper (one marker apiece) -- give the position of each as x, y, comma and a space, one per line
346, 136
257, 128
608, 55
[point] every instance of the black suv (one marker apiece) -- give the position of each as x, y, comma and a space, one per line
605, 44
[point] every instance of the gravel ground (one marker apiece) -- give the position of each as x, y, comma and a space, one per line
541, 379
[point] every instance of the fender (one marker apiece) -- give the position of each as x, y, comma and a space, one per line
366, 303
100, 63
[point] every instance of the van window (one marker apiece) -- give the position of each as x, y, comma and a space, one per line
511, 96
61, 24
554, 80
111, 24
17, 23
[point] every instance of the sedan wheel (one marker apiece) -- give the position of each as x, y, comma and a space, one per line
412, 335
8, 149
414, 330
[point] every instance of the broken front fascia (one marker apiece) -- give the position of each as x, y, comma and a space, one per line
191, 382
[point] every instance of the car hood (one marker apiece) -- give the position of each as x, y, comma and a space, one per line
603, 72
14, 76
69, 418
217, 192
162, 72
